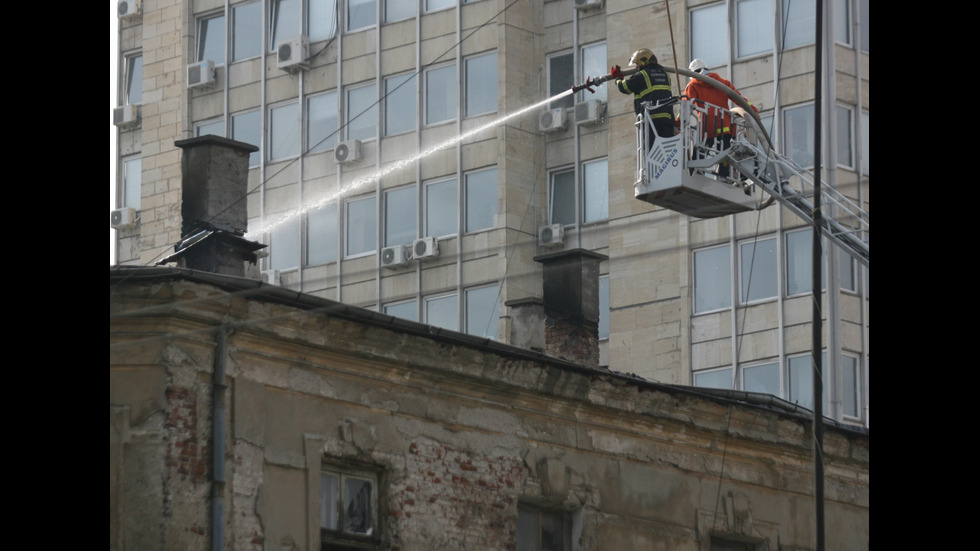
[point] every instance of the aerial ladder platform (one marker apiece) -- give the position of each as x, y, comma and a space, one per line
681, 173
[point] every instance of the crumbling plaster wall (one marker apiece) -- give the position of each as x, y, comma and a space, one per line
458, 435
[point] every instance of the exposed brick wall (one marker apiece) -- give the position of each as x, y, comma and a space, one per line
451, 499
572, 338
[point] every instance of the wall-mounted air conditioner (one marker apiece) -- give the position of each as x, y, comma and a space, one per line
122, 218
552, 120
394, 257
425, 247
127, 9
201, 74
271, 277
293, 53
551, 235
126, 116
588, 4
589, 112
347, 152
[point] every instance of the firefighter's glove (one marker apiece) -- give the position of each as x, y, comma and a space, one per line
616, 72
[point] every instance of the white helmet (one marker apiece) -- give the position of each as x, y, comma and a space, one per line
698, 66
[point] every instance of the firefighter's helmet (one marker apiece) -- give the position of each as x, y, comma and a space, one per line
642, 57
698, 66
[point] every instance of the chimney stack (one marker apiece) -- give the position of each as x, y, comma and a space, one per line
214, 215
571, 305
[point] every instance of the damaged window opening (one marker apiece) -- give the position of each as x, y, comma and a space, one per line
348, 510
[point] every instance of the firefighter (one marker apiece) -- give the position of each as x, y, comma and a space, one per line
716, 124
652, 84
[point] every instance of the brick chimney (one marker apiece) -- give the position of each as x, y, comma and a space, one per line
571, 305
214, 216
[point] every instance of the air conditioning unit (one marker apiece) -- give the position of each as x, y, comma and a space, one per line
551, 235
589, 112
128, 9
293, 53
271, 277
425, 247
588, 4
126, 116
347, 152
122, 218
201, 74
552, 120
393, 257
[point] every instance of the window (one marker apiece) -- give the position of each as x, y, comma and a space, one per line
754, 27
399, 216
133, 79
398, 10
709, 34
360, 14
865, 143
539, 530
348, 508
798, 132
595, 194
845, 157
864, 13
715, 378
440, 94
763, 378
596, 184
321, 235
215, 127
361, 226
433, 5
132, 182
603, 308
481, 311
799, 23
362, 108
284, 124
399, 104
284, 244
481, 200
247, 127
561, 77
211, 38
563, 197
442, 312
246, 31
759, 270
848, 271
441, 208
850, 386
712, 279
594, 64
321, 19
286, 20
842, 22
799, 271
800, 376
407, 310
321, 122
481, 84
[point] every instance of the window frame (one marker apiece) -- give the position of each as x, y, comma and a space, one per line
131, 75
413, 14
396, 304
329, 141
774, 270
478, 88
601, 92
348, 11
236, 31
494, 321
428, 213
433, 298
332, 235
452, 94
201, 32
200, 125
721, 58
287, 228
255, 158
766, 22
340, 536
568, 74
530, 513
495, 214
728, 282
371, 228
126, 187
398, 203
426, 9
405, 79
714, 371
370, 112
